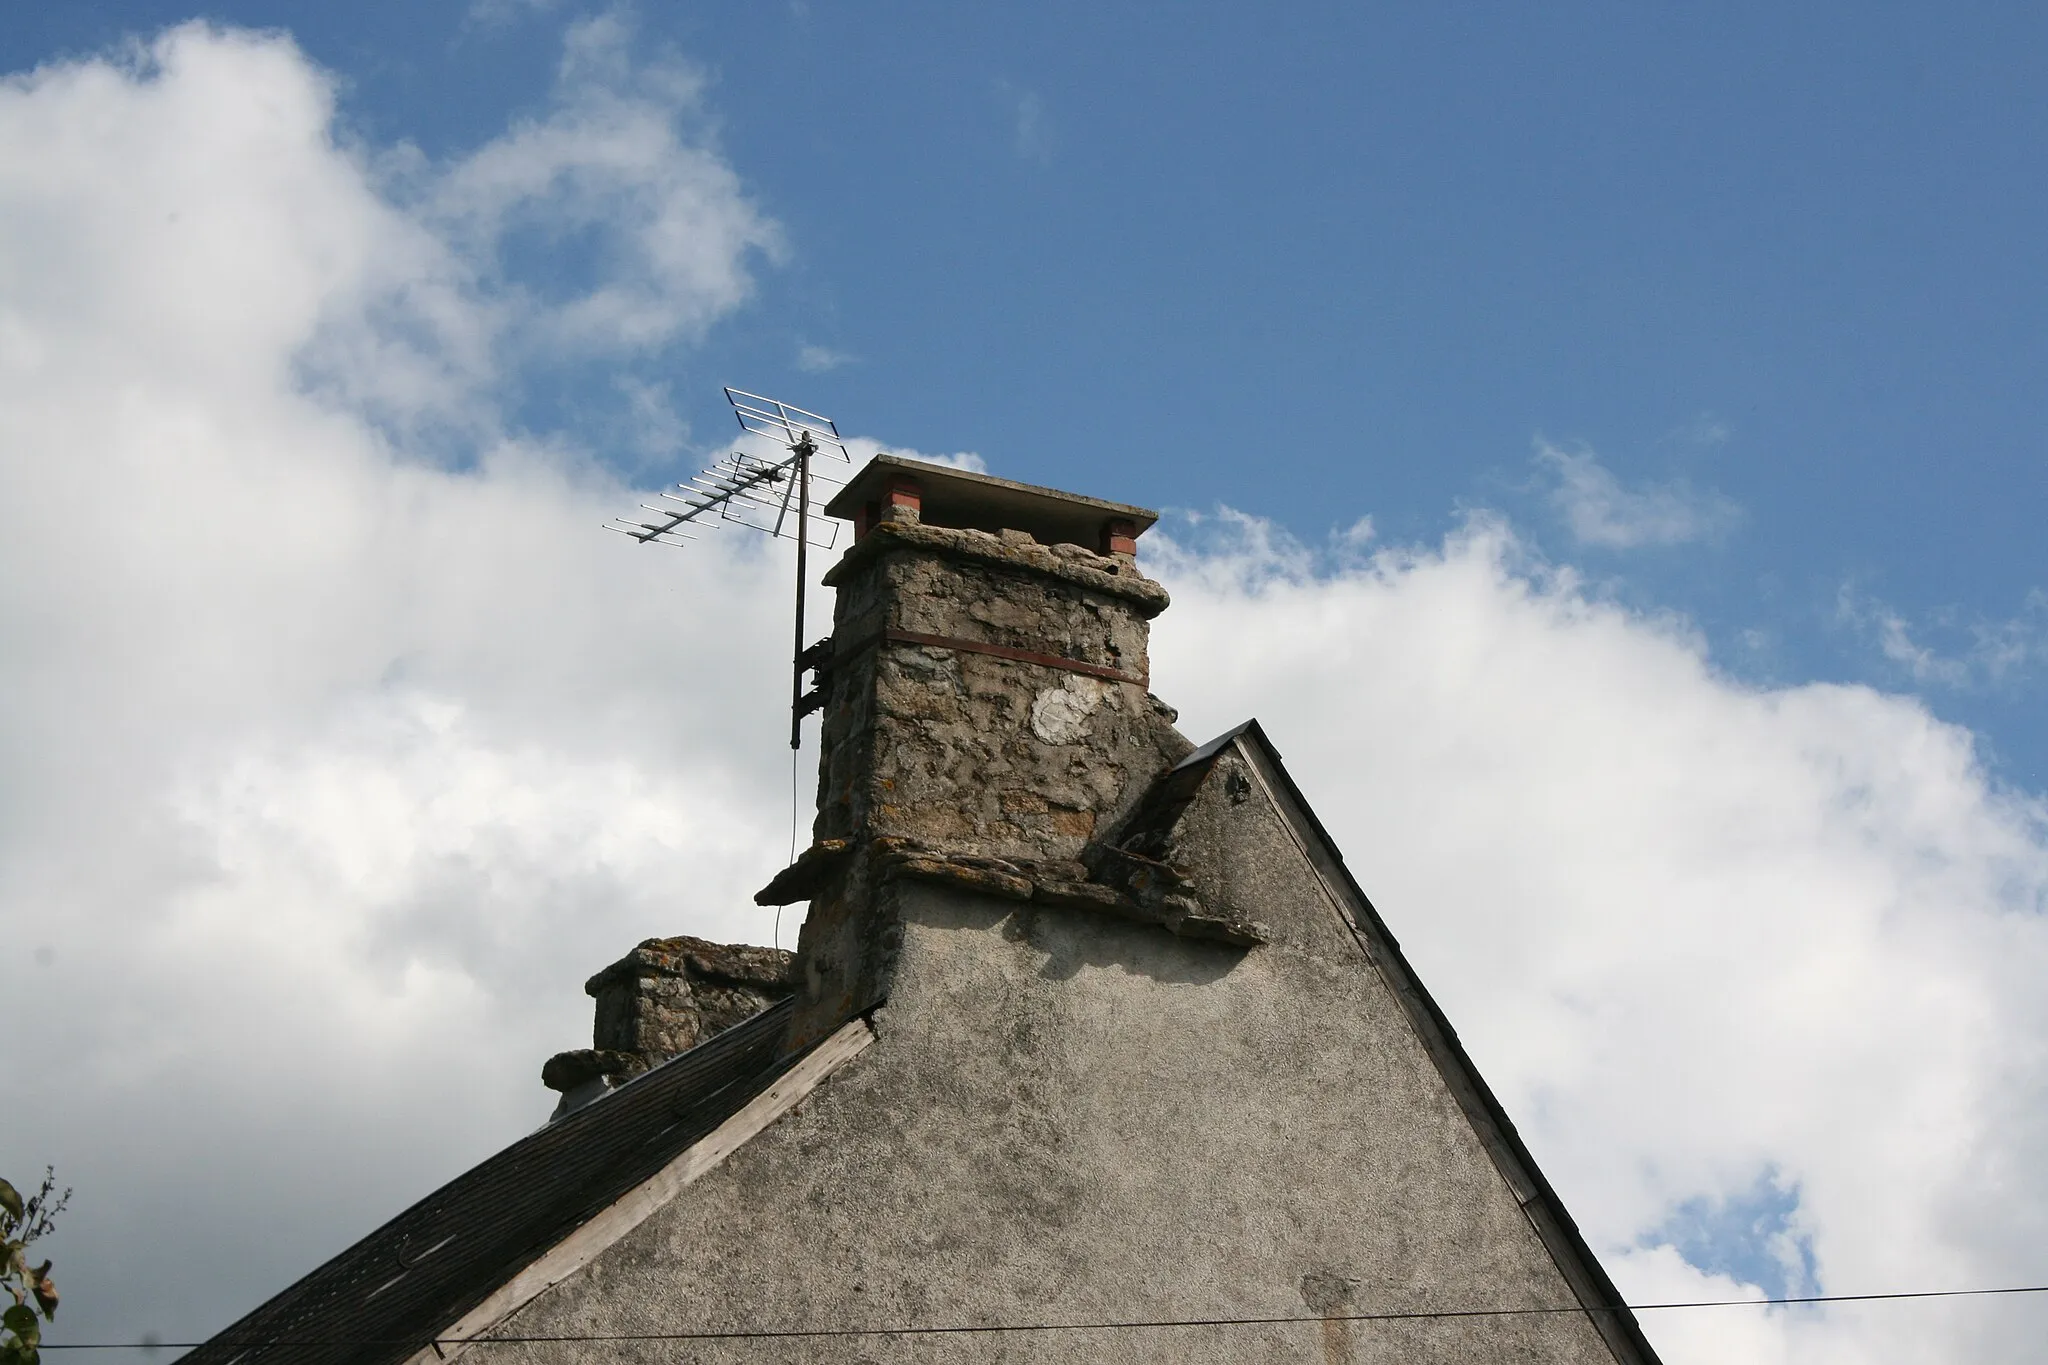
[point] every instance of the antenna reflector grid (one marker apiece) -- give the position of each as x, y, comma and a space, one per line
785, 424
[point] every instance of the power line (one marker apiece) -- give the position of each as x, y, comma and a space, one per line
1152, 1324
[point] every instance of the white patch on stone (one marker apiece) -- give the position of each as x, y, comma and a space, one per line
1059, 715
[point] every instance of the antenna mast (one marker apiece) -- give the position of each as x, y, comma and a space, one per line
759, 492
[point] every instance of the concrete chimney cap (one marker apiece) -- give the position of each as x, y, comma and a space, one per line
982, 502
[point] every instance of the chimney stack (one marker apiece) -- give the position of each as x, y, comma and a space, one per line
987, 710
659, 1001
988, 686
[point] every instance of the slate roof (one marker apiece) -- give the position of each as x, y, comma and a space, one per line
386, 1296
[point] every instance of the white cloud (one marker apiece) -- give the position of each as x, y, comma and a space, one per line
819, 359
323, 758
1984, 653
623, 153
1601, 512
2009, 648
656, 432
333, 770
1894, 639
864, 448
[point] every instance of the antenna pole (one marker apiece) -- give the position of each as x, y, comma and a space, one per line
803, 450
756, 491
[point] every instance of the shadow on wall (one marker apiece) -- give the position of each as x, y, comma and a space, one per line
1072, 940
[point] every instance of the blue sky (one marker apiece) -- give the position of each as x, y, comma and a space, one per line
1357, 260
1680, 709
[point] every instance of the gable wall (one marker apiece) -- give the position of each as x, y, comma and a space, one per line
1071, 1118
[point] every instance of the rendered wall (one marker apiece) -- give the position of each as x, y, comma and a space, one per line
1069, 1118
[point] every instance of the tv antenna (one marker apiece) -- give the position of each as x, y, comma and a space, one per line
762, 492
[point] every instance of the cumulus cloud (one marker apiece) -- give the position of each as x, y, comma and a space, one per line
334, 765
323, 755
1601, 512
624, 154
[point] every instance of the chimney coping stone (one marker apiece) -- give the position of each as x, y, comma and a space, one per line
964, 500
686, 956
1115, 577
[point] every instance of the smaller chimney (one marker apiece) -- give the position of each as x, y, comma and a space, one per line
659, 1001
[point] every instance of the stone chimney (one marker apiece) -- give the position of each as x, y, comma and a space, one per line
987, 691
987, 714
660, 1000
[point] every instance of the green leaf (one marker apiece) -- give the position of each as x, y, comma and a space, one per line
10, 1199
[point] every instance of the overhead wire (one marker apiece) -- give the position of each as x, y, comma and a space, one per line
1147, 1324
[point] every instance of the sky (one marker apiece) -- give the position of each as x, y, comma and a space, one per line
1598, 442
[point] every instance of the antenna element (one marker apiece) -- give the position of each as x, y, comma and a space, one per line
761, 491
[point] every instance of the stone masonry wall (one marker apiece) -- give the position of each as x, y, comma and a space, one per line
664, 998
979, 754
669, 994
